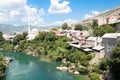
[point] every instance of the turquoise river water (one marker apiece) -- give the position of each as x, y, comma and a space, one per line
26, 67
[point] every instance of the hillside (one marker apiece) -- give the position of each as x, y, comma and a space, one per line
11, 29
5, 28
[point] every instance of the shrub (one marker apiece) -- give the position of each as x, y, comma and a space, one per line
94, 76
83, 70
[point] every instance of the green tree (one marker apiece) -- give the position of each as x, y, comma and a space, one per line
19, 37
94, 76
64, 26
101, 30
1, 37
1, 57
78, 27
115, 62
2, 65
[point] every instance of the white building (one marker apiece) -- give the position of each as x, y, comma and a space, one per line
32, 33
94, 41
91, 41
109, 41
8, 36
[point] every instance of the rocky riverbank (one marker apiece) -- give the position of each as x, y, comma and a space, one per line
7, 60
4, 65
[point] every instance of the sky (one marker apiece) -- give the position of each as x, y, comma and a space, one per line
51, 12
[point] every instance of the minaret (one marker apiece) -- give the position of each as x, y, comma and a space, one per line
28, 23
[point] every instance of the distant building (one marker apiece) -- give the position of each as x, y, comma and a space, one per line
106, 17
109, 41
8, 36
32, 33
93, 41
60, 32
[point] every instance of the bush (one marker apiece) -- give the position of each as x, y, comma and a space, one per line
83, 70
2, 66
68, 63
96, 69
85, 63
64, 26
1, 57
103, 64
99, 31
89, 57
94, 76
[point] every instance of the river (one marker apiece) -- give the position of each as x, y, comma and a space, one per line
26, 67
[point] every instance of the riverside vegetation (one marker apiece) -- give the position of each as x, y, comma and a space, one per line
2, 66
48, 46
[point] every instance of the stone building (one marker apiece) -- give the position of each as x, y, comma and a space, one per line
109, 41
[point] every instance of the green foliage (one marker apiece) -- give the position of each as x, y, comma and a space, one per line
19, 37
1, 57
83, 70
50, 47
2, 65
1, 37
68, 63
96, 69
64, 26
7, 45
80, 27
101, 30
41, 36
2, 41
85, 63
94, 25
94, 76
103, 64
114, 62
89, 56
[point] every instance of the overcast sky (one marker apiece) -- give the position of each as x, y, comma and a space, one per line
51, 12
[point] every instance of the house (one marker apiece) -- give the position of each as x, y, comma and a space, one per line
8, 36
91, 41
60, 32
109, 41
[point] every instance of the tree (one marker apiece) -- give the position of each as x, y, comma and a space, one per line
94, 25
94, 76
1, 57
64, 26
2, 65
115, 62
78, 27
19, 37
1, 37
99, 31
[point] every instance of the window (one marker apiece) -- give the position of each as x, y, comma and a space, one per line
113, 44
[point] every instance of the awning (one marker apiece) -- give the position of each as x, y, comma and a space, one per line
75, 45
98, 48
87, 49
